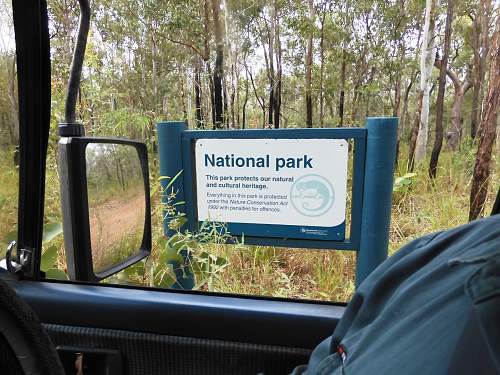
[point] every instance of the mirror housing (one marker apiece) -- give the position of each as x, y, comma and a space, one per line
76, 213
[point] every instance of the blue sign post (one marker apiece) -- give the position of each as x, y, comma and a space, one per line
286, 187
170, 150
377, 196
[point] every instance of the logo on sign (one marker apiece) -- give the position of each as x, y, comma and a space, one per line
312, 195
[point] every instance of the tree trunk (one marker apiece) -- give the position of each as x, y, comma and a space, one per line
198, 96
259, 100
487, 132
244, 107
279, 70
454, 134
230, 90
206, 59
369, 83
426, 64
322, 69
238, 118
225, 115
218, 69
343, 66
154, 74
438, 141
183, 96
456, 124
309, 62
13, 104
270, 38
404, 112
480, 48
403, 116
414, 133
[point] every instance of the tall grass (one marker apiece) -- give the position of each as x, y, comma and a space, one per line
422, 207
9, 185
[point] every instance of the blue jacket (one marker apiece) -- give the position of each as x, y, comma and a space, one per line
432, 308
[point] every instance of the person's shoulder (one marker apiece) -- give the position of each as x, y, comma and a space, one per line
471, 239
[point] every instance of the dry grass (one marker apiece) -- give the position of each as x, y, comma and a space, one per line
426, 206
8, 196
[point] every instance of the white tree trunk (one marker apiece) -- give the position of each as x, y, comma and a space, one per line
426, 65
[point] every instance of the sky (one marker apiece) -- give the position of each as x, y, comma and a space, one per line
7, 42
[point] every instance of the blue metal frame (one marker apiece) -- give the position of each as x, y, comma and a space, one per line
280, 235
382, 133
372, 179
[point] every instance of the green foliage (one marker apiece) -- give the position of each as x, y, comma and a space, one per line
465, 157
51, 230
403, 183
49, 258
185, 250
50, 251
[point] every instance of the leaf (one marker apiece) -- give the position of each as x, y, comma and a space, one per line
56, 274
403, 181
49, 258
171, 182
169, 255
164, 277
50, 231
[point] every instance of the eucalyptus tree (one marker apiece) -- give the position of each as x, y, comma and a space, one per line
420, 130
438, 141
487, 131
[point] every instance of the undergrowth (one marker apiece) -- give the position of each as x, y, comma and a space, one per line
420, 206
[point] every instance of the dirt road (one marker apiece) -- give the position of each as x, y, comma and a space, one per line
111, 221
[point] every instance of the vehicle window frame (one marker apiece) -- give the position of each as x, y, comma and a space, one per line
33, 75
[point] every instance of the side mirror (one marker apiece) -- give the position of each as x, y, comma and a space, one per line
105, 204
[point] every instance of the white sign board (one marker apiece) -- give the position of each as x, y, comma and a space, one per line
300, 182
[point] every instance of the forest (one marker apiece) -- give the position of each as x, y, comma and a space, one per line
242, 64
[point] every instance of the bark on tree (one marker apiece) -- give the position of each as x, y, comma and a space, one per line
480, 48
13, 104
231, 58
403, 115
245, 101
438, 140
154, 73
404, 111
260, 100
218, 69
270, 38
343, 66
206, 58
454, 134
279, 69
369, 83
198, 93
322, 67
426, 64
487, 132
309, 62
414, 132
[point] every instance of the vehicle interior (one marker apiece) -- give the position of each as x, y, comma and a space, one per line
86, 326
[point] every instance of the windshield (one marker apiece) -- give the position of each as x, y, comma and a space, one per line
239, 65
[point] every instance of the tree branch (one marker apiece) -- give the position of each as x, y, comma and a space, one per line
184, 44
